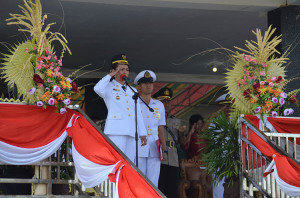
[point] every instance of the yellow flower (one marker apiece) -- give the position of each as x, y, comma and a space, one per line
69, 86
269, 104
262, 91
50, 73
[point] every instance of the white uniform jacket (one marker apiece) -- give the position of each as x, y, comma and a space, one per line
152, 120
121, 110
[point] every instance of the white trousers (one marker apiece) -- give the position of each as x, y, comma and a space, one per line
218, 189
150, 166
126, 144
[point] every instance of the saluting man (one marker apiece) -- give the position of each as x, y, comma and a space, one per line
151, 155
120, 121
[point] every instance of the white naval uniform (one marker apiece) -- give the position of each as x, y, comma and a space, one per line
120, 121
149, 162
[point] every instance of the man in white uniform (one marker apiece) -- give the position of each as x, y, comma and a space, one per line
120, 121
149, 155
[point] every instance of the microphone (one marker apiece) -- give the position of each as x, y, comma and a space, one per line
123, 77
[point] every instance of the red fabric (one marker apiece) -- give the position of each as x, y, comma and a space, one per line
94, 147
29, 126
192, 147
287, 169
286, 125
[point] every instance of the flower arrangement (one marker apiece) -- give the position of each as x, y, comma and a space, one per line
265, 94
31, 66
257, 79
51, 87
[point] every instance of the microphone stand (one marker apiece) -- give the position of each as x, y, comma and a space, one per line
135, 98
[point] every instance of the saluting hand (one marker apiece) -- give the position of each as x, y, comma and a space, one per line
143, 140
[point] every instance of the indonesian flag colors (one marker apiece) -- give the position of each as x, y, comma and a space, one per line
29, 134
287, 172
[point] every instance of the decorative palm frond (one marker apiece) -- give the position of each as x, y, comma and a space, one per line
18, 69
33, 20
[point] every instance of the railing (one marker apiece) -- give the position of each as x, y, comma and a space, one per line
254, 163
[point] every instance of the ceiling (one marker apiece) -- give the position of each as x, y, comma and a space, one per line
160, 35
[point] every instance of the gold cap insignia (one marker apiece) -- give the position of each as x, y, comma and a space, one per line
167, 92
147, 74
124, 57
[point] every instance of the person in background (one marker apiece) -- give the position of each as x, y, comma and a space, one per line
120, 121
169, 170
191, 143
149, 155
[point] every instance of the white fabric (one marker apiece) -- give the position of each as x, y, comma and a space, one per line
218, 189
152, 121
150, 166
20, 156
142, 75
88, 172
285, 187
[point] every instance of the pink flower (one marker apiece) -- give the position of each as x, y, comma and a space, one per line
274, 114
257, 110
264, 64
39, 66
283, 95
271, 84
34, 48
51, 101
47, 89
60, 62
248, 58
25, 50
39, 103
56, 89
275, 100
67, 101
291, 111
262, 73
286, 112
254, 77
281, 101
32, 90
254, 62
274, 78
62, 110
262, 82
69, 80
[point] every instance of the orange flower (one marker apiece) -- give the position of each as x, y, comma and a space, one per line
60, 96
269, 80
50, 73
44, 98
277, 92
269, 104
269, 89
252, 100
68, 85
262, 91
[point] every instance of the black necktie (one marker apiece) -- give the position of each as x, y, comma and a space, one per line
123, 87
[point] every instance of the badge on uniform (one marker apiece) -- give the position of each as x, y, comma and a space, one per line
118, 97
149, 132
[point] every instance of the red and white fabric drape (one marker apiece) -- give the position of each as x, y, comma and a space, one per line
287, 172
29, 134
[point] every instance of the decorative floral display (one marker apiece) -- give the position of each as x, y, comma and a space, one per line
266, 95
51, 87
257, 79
